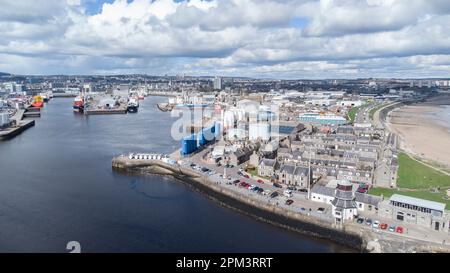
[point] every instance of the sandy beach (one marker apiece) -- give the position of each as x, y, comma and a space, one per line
423, 131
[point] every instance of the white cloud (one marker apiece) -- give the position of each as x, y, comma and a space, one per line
234, 37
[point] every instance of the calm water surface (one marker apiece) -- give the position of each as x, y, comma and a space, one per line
56, 185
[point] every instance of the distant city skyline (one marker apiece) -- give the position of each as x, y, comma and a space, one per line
292, 39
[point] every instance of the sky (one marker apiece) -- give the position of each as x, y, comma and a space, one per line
288, 39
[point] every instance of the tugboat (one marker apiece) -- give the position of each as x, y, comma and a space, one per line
133, 105
38, 102
78, 104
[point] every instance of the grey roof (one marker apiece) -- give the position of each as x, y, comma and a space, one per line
367, 198
288, 168
301, 171
344, 195
345, 204
327, 191
418, 202
268, 162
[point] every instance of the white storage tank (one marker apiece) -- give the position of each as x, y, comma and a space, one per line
4, 119
259, 131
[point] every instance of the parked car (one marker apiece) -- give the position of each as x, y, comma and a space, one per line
360, 220
276, 185
260, 190
287, 193
274, 194
303, 190
321, 210
236, 181
399, 229
383, 226
392, 228
302, 209
260, 181
246, 176
376, 224
369, 222
289, 202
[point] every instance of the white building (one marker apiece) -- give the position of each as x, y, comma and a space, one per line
218, 83
344, 207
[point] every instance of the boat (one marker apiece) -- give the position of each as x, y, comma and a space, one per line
133, 105
37, 102
44, 97
78, 104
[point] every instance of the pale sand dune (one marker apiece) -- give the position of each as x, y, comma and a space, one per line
420, 134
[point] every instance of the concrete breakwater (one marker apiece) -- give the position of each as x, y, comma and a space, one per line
11, 132
262, 211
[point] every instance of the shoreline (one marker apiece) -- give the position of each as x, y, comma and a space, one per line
422, 132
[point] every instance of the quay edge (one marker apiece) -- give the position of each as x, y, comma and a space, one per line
261, 211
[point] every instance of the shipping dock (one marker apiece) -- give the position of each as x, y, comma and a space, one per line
16, 125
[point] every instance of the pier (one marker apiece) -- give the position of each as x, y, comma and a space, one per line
115, 111
19, 124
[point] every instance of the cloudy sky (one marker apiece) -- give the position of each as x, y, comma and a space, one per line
256, 38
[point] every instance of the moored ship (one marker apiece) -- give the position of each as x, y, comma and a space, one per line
78, 104
37, 102
133, 105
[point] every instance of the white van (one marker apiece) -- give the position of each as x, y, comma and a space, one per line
287, 193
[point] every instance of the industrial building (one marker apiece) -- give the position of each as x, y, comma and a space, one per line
322, 119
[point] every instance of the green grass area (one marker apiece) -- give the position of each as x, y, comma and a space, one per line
416, 180
423, 194
352, 113
414, 175
254, 172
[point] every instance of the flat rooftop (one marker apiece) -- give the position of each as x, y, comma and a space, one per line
418, 202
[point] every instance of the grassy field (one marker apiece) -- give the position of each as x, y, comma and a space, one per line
352, 113
414, 175
416, 180
423, 194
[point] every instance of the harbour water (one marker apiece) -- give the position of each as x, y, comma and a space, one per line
57, 185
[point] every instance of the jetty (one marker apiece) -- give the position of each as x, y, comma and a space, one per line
18, 125
106, 111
